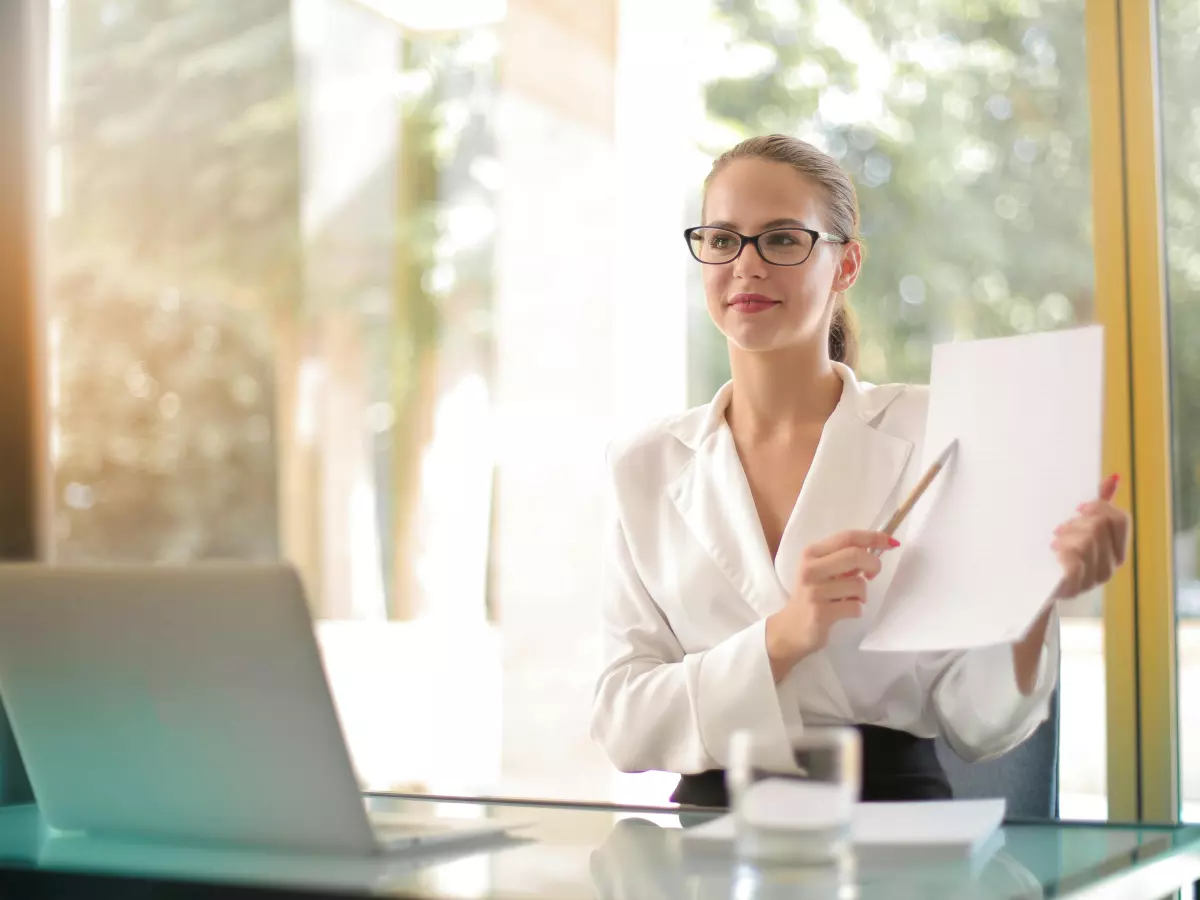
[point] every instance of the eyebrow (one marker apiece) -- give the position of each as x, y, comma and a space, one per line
774, 223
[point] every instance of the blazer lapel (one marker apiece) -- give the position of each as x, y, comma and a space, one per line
714, 499
856, 469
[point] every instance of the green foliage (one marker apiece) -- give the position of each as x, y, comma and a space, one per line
1179, 38
965, 127
967, 137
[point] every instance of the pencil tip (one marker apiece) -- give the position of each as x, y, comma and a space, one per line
948, 452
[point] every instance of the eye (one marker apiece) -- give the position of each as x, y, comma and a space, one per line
720, 241
782, 239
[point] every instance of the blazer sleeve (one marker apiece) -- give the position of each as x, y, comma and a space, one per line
980, 710
659, 708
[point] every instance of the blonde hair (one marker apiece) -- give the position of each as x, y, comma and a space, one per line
841, 208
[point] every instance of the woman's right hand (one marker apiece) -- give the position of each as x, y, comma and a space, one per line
831, 585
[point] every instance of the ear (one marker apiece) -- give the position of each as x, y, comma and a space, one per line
848, 267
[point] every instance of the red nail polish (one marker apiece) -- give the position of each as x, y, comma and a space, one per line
893, 543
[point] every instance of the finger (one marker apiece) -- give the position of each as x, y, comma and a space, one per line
847, 610
1089, 554
1100, 553
1108, 555
1104, 567
1095, 553
843, 562
1071, 553
1108, 489
1080, 540
1072, 574
1099, 509
1121, 527
1066, 544
852, 587
1117, 522
1086, 530
865, 540
1112, 531
1073, 529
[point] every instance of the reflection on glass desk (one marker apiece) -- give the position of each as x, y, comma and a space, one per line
608, 852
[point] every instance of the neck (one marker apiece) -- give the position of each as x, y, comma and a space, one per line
781, 392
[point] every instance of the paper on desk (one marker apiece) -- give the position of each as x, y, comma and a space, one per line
947, 827
963, 824
1027, 413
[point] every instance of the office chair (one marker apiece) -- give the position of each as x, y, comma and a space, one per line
1027, 777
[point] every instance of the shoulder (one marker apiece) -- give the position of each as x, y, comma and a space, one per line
669, 443
908, 399
895, 408
656, 451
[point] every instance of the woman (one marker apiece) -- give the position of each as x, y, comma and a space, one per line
740, 583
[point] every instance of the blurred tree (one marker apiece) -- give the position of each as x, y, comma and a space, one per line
177, 237
965, 127
164, 441
185, 300
1179, 52
443, 278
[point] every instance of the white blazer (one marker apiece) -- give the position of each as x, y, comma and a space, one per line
689, 581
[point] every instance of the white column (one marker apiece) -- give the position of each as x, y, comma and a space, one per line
659, 118
554, 314
348, 128
591, 337
659, 111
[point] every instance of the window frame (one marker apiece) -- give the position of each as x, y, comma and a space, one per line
1122, 57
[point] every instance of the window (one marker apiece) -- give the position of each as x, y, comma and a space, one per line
321, 286
966, 133
1179, 49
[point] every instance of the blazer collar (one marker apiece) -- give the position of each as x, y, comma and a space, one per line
861, 399
856, 468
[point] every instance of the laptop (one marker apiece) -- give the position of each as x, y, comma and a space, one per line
187, 704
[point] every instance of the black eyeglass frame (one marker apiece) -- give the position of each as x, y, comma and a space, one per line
817, 236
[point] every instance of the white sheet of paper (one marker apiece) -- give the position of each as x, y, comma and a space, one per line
959, 826
978, 568
965, 824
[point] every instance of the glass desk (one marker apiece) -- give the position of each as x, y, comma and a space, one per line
590, 850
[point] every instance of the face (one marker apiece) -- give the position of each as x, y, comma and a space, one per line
759, 306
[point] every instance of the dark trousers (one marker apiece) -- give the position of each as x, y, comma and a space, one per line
896, 766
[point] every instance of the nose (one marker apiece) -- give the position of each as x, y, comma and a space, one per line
750, 263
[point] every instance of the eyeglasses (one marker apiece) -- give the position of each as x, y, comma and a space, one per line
778, 246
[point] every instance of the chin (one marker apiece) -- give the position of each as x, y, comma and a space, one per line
756, 340
762, 336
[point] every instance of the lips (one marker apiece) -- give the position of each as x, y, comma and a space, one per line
752, 303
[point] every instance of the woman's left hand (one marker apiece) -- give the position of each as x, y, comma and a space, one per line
1092, 545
